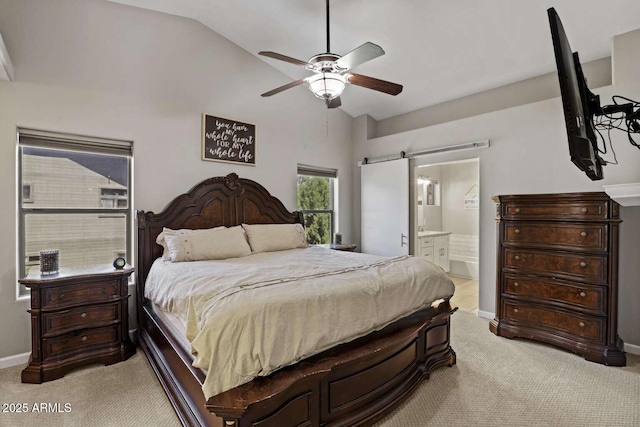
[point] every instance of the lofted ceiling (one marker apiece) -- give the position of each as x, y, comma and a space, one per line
439, 50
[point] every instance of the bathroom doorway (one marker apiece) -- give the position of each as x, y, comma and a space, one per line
447, 224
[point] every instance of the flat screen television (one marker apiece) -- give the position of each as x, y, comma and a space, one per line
579, 103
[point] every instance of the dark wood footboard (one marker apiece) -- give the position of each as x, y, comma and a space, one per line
354, 384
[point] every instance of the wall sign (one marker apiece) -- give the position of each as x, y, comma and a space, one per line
472, 198
226, 140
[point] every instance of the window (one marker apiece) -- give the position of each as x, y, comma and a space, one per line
317, 195
83, 203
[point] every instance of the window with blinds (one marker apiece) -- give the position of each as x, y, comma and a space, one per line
317, 200
74, 196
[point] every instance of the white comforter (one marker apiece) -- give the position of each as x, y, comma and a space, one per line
247, 317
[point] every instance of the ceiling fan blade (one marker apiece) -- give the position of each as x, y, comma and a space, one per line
375, 84
360, 55
334, 103
285, 58
283, 88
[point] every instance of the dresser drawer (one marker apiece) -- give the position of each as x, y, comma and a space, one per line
572, 295
60, 296
587, 268
80, 340
553, 235
541, 210
564, 323
79, 318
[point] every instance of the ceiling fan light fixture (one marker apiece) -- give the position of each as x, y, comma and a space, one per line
327, 86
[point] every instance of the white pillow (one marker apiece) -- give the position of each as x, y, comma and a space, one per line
275, 237
208, 244
166, 256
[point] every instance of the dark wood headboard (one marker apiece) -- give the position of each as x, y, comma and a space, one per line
226, 200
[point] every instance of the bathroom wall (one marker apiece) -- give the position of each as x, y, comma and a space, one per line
432, 213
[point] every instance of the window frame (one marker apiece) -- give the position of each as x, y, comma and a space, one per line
94, 146
332, 175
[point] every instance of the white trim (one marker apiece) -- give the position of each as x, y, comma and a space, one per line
625, 194
15, 360
632, 348
486, 314
6, 67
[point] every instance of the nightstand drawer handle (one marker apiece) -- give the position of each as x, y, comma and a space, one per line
583, 294
83, 315
584, 210
581, 324
583, 264
583, 234
517, 257
515, 310
517, 210
84, 338
516, 284
517, 231
61, 296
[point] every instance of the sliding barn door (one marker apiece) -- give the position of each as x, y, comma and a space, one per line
385, 208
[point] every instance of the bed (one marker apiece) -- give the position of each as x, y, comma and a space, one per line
354, 383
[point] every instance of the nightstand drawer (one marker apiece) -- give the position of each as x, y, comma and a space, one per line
59, 296
79, 318
567, 323
557, 235
571, 295
579, 210
80, 340
588, 268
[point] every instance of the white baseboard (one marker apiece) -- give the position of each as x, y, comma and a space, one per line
632, 348
15, 360
486, 314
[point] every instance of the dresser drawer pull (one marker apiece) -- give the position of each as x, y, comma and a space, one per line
583, 234
583, 264
584, 210
515, 310
517, 231
583, 294
517, 210
83, 315
84, 338
61, 296
581, 324
516, 284
517, 257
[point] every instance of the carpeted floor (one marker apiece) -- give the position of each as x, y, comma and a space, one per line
496, 382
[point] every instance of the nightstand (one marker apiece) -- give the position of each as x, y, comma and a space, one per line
78, 317
341, 247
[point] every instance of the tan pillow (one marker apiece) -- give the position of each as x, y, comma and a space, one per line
275, 237
208, 244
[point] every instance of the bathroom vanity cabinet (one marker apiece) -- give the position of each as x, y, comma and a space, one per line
433, 246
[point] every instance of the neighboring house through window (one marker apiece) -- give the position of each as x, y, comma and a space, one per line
75, 197
317, 200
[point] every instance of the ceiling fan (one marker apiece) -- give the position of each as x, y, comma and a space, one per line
331, 72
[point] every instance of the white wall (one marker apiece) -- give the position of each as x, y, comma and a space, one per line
98, 68
457, 180
529, 154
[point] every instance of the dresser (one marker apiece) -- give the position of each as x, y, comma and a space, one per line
78, 317
557, 272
